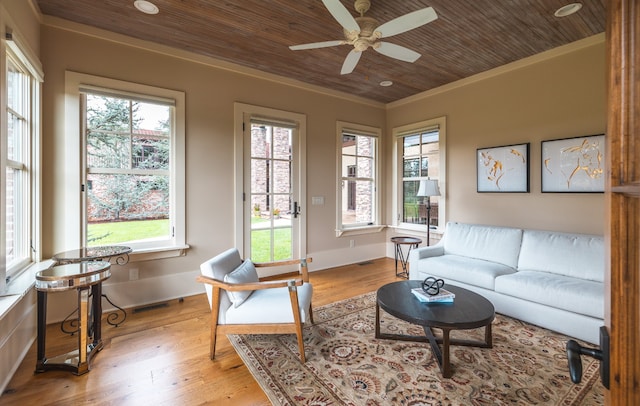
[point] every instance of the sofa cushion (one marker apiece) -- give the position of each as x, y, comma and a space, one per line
575, 255
495, 244
245, 273
463, 269
562, 292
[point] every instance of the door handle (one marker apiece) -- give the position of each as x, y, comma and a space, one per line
575, 350
296, 210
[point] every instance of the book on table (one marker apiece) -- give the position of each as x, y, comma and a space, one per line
443, 296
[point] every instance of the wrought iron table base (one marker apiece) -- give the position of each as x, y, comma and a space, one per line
114, 318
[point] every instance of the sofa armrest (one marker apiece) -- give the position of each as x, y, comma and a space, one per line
426, 252
423, 252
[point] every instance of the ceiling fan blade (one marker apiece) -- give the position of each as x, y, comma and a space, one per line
396, 51
350, 62
407, 22
315, 45
342, 15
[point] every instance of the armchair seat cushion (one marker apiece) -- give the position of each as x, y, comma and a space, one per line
267, 306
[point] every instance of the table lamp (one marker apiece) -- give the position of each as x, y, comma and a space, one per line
428, 188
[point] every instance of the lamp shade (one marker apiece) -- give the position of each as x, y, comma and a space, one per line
428, 187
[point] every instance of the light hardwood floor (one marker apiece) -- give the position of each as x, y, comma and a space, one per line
161, 356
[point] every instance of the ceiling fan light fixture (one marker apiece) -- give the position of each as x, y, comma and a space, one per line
568, 10
386, 83
146, 7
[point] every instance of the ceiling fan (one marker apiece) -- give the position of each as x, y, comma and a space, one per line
365, 32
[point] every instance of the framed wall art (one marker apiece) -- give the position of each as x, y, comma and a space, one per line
573, 165
503, 169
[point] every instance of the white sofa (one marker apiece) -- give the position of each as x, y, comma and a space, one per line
551, 279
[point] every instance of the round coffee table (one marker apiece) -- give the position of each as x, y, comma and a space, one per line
469, 310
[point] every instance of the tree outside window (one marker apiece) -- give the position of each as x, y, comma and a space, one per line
128, 150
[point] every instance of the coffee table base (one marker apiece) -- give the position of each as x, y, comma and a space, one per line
439, 345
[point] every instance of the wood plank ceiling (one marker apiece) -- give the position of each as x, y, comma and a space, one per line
468, 37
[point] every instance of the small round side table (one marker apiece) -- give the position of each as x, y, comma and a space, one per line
412, 242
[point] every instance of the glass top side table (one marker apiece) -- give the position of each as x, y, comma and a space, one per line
115, 254
118, 253
83, 276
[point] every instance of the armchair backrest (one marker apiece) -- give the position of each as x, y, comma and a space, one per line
217, 267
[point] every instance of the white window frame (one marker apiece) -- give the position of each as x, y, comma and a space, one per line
398, 134
30, 206
374, 132
76, 83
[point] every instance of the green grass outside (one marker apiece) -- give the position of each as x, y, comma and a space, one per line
124, 231
261, 244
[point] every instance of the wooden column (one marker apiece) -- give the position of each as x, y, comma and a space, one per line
623, 200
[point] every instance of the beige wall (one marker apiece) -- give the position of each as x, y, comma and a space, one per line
555, 98
210, 96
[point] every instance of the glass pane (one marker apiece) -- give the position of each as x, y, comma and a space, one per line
263, 239
365, 167
150, 153
105, 150
424, 167
411, 167
357, 203
259, 176
16, 89
349, 166
281, 143
15, 127
281, 177
282, 247
260, 207
411, 202
127, 208
261, 245
411, 145
281, 208
366, 146
152, 118
11, 215
107, 113
348, 144
260, 141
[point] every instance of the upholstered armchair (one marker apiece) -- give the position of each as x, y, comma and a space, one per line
241, 303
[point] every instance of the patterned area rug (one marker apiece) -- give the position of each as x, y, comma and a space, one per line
347, 365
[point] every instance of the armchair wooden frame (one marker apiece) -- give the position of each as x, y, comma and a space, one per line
265, 328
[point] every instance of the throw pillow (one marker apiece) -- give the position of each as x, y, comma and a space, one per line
245, 273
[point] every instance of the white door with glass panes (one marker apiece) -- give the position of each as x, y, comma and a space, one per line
273, 210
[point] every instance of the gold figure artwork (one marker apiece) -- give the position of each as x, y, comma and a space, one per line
585, 158
495, 167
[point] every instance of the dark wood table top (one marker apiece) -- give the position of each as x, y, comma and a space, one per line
469, 310
406, 240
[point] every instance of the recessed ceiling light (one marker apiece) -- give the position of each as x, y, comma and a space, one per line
386, 83
568, 10
146, 7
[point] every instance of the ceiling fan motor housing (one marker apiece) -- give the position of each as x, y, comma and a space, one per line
367, 35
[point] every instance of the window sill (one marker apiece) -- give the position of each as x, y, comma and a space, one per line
19, 286
148, 254
360, 230
419, 231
